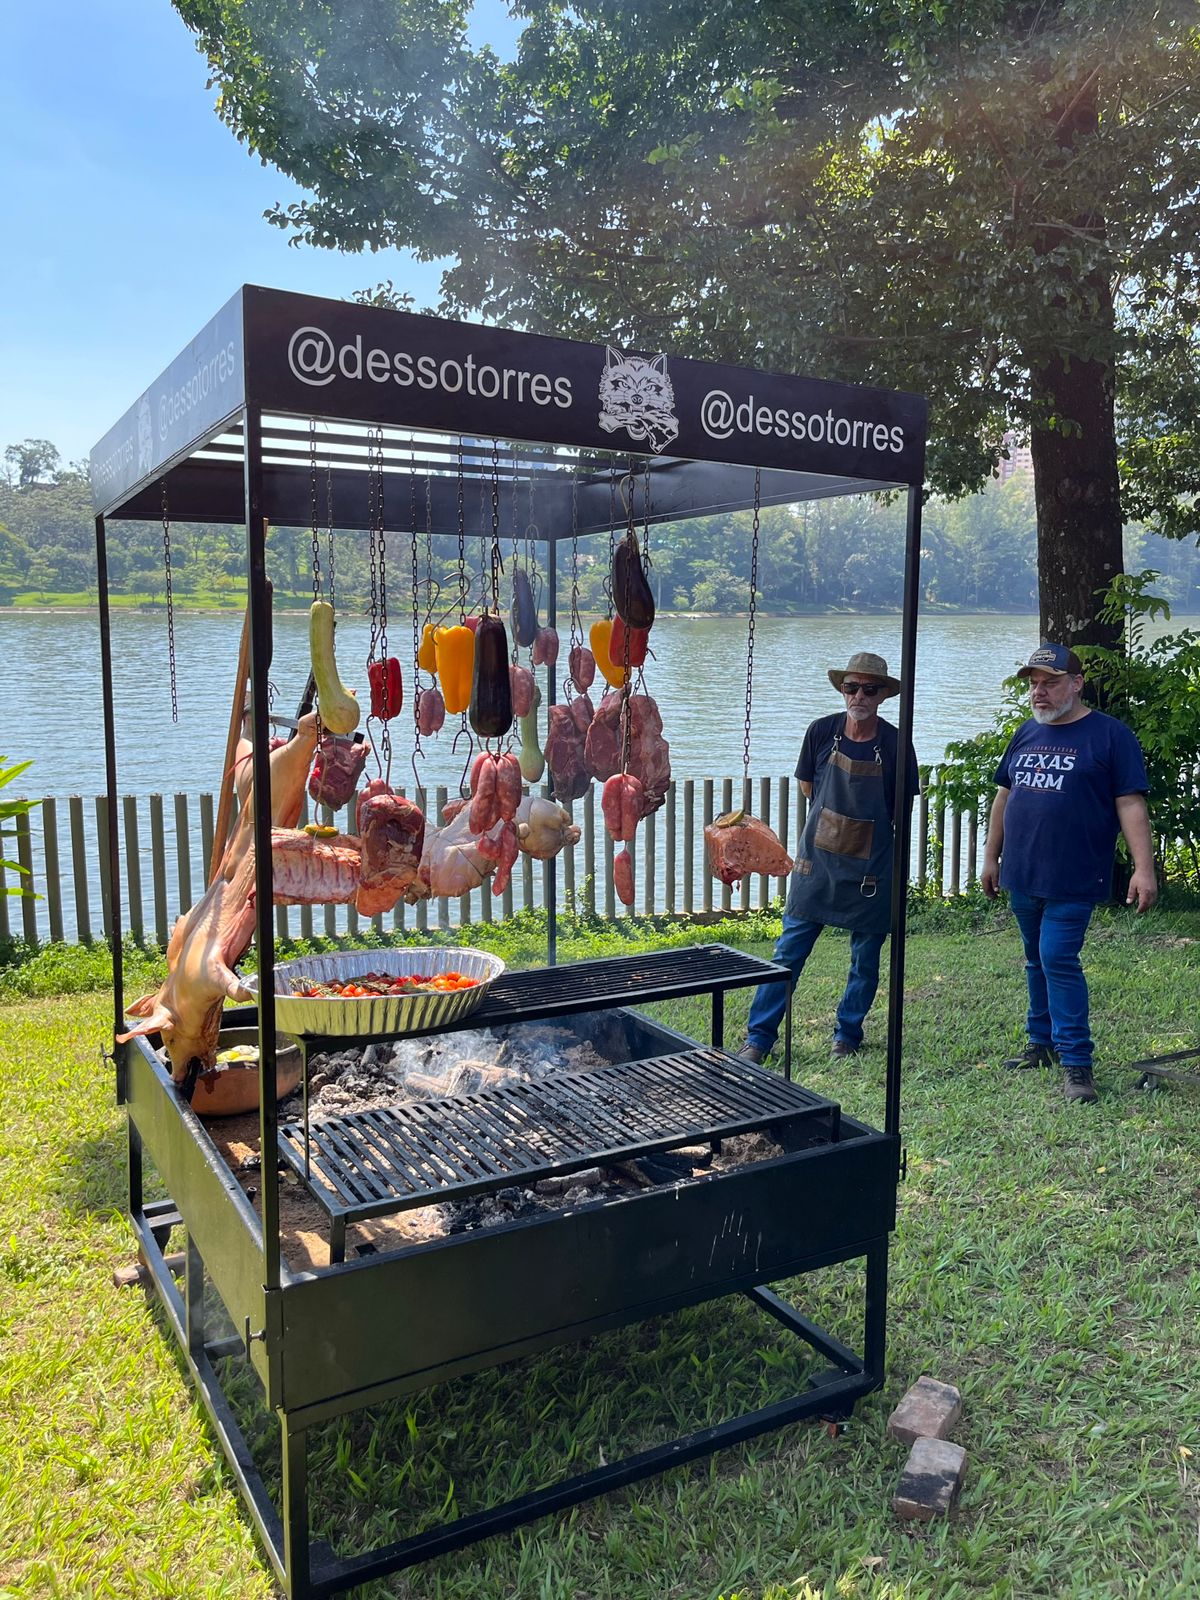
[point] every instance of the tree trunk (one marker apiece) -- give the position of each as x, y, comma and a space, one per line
1073, 440
1078, 499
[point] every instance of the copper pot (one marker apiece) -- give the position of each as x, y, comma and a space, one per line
231, 1087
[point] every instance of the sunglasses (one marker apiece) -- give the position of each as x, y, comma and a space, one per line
869, 689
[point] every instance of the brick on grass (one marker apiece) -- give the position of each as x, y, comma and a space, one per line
929, 1410
931, 1479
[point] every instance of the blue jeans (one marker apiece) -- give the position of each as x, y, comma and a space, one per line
792, 950
1052, 932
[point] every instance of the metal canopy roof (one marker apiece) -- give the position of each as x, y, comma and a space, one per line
338, 386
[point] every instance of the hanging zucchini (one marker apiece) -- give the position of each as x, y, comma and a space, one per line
491, 712
524, 612
533, 762
339, 710
631, 593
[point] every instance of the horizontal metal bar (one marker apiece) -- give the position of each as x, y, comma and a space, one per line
328, 1577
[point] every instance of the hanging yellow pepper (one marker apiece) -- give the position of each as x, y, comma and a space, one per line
600, 637
455, 648
427, 654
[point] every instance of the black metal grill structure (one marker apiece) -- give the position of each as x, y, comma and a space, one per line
374, 1163
333, 1340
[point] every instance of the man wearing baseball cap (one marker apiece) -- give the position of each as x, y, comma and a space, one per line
1069, 781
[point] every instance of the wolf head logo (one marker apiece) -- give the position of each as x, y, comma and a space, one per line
636, 394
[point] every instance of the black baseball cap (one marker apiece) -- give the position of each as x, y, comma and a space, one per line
1055, 659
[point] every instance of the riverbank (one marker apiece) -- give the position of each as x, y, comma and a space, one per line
1040, 1263
234, 608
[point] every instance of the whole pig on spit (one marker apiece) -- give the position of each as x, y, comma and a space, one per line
210, 939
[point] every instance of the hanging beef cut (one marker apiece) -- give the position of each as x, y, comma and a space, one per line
739, 844
649, 753
564, 750
392, 832
336, 770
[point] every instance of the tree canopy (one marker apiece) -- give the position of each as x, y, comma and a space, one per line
993, 202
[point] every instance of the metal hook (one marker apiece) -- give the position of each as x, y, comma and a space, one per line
418, 785
371, 742
462, 782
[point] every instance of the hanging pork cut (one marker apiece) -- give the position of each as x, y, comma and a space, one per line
314, 870
649, 753
565, 745
392, 834
739, 844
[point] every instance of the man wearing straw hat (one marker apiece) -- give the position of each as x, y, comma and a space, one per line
843, 872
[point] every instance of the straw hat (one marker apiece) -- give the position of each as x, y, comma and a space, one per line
865, 665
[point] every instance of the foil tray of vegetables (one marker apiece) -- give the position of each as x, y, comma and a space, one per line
362, 993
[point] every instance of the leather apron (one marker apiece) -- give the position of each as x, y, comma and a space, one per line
843, 873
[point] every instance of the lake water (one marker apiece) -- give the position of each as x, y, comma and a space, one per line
50, 690
50, 694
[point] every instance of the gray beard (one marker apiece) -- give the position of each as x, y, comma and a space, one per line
1054, 716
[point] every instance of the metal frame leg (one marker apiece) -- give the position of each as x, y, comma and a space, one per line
787, 1032
294, 1507
875, 1310
193, 1292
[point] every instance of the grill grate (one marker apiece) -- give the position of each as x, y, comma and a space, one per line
540, 992
371, 1163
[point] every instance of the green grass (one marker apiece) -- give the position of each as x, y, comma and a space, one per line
1045, 1261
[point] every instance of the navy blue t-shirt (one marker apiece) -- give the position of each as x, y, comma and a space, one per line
818, 746
1060, 824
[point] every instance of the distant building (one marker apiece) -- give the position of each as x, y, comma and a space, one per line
1020, 459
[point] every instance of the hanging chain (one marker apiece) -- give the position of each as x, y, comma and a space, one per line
166, 526
484, 552
381, 527
373, 545
750, 628
516, 478
329, 529
576, 620
385, 736
428, 545
496, 561
314, 521
416, 619
462, 551
612, 529
646, 562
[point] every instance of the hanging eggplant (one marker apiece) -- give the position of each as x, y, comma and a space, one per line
631, 592
491, 712
524, 612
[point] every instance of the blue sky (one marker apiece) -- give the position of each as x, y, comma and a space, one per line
132, 213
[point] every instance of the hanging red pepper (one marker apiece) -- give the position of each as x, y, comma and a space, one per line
387, 688
639, 639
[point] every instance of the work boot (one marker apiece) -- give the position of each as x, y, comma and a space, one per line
751, 1052
1033, 1055
1077, 1083
843, 1048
